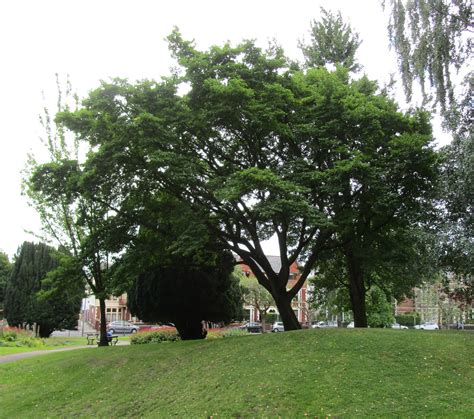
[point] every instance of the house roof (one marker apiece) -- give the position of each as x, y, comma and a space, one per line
275, 263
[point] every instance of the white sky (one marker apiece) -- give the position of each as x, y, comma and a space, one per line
94, 40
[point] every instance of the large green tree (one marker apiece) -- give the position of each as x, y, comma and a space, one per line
366, 224
310, 157
33, 294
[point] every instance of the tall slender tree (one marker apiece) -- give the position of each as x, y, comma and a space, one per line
70, 217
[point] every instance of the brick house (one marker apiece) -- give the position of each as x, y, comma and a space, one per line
115, 307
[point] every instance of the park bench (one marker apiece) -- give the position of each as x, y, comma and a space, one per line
95, 338
91, 338
113, 340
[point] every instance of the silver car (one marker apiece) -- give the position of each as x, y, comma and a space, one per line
122, 326
278, 327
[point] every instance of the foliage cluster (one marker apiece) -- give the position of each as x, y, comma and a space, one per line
186, 293
432, 39
434, 45
5, 270
331, 42
13, 336
154, 337
227, 333
379, 308
40, 292
408, 319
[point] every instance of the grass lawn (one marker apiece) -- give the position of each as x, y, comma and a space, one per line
304, 373
54, 342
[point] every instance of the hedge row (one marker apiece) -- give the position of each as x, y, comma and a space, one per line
154, 337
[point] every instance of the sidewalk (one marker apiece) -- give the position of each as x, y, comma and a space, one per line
14, 357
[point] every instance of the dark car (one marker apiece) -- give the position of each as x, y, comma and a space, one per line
252, 327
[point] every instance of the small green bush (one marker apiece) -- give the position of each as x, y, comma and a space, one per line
229, 333
19, 338
154, 337
12, 334
214, 335
30, 342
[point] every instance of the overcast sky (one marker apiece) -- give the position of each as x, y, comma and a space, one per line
94, 40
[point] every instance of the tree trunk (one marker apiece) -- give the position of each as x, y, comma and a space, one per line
288, 316
262, 314
190, 329
103, 324
356, 288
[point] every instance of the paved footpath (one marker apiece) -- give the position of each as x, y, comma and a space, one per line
15, 357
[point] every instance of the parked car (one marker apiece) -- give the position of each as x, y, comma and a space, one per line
278, 327
398, 326
122, 326
321, 324
427, 326
252, 327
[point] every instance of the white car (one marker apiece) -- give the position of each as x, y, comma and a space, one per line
322, 325
350, 325
427, 326
398, 326
278, 327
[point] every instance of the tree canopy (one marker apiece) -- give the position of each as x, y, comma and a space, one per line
331, 42
263, 149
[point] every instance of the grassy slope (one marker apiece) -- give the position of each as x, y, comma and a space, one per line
314, 372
